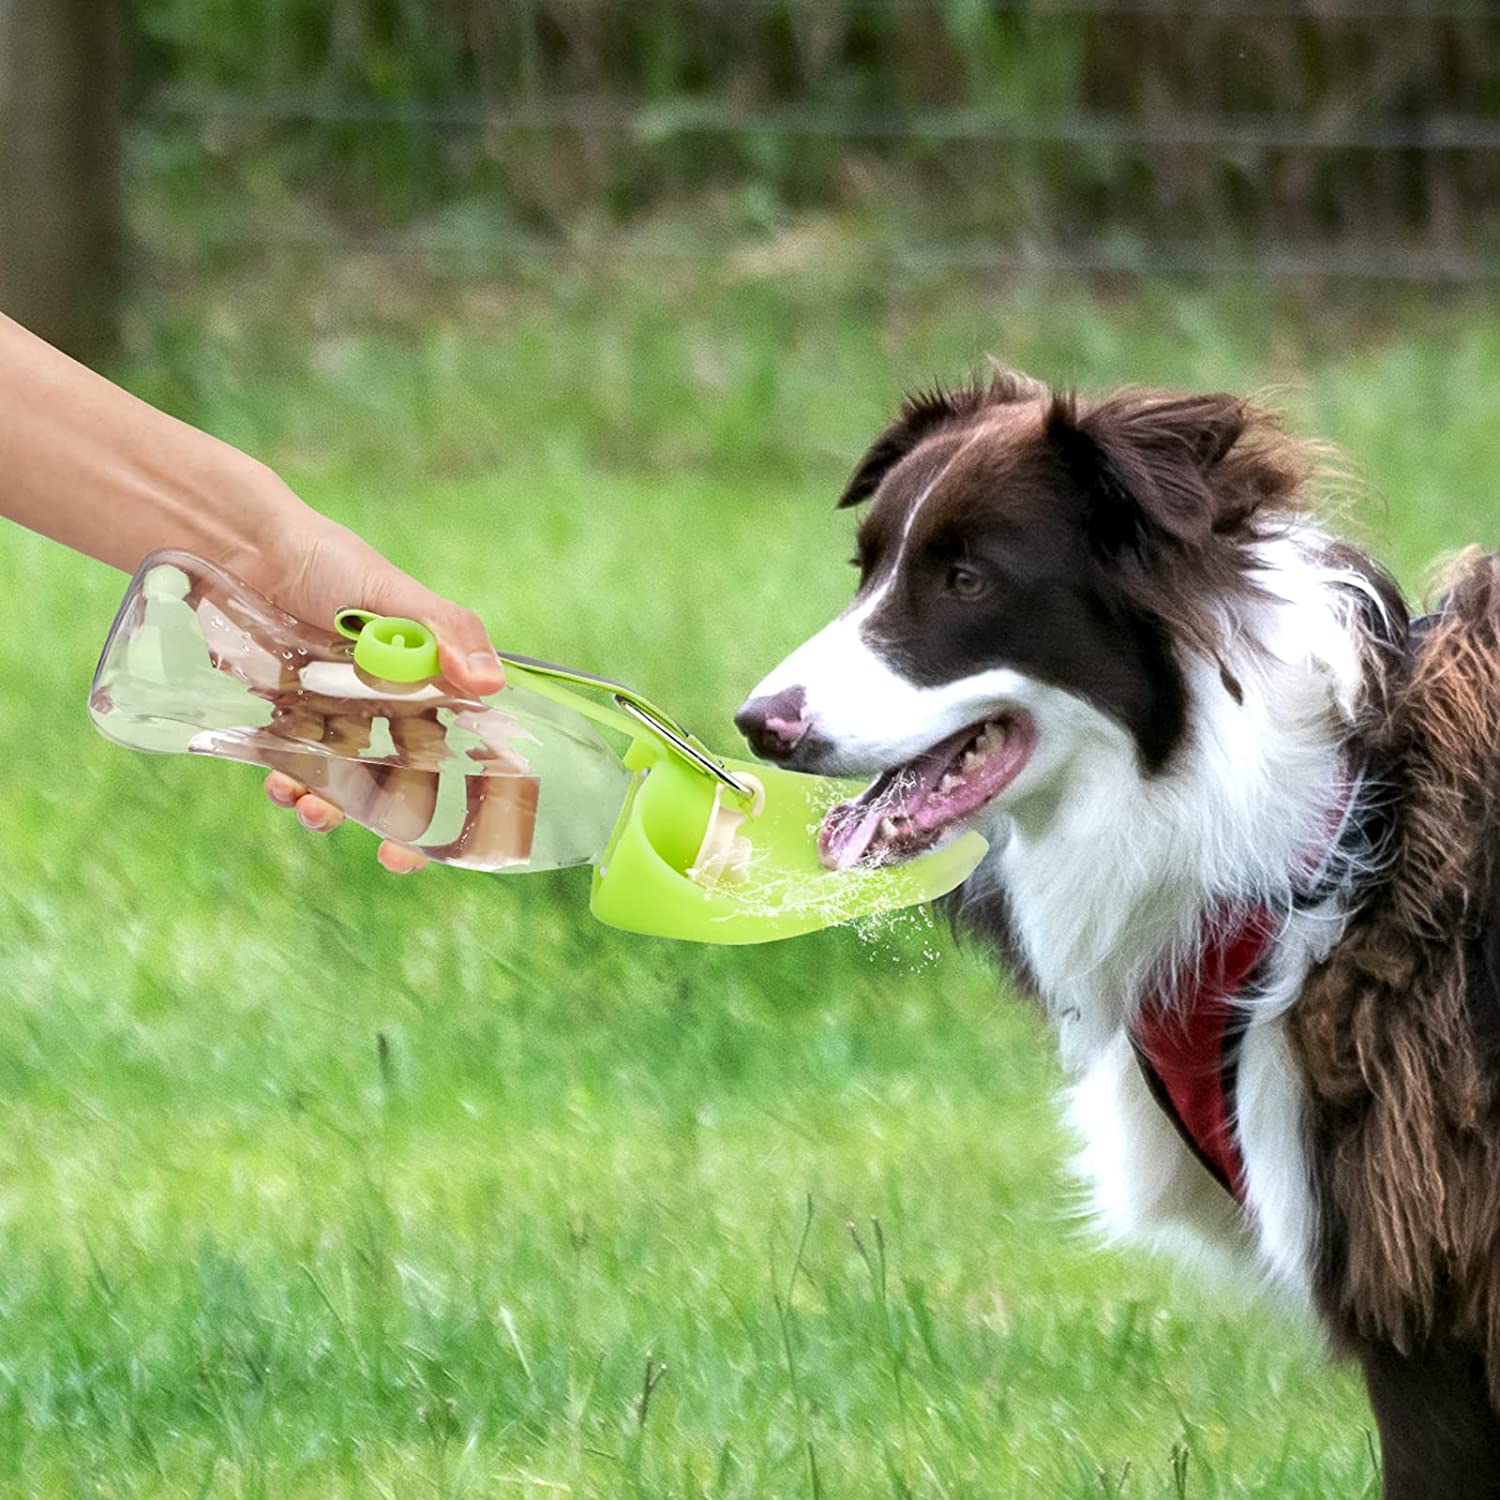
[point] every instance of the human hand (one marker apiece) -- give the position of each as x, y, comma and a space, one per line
313, 568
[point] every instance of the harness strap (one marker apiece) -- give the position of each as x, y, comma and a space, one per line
1187, 1043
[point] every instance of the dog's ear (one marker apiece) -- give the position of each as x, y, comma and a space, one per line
1147, 463
923, 413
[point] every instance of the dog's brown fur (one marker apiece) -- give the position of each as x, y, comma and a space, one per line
1398, 1029
1400, 1034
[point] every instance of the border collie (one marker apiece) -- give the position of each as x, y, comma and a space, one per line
1244, 822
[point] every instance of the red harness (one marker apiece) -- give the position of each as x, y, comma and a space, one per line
1188, 1032
1187, 1040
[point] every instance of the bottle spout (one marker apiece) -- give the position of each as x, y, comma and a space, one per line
689, 859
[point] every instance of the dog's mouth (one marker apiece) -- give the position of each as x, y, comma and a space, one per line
915, 806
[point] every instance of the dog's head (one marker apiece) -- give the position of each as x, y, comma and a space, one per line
1034, 570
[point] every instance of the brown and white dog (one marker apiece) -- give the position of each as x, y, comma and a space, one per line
1245, 846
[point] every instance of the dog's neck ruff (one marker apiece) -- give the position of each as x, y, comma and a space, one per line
1189, 1028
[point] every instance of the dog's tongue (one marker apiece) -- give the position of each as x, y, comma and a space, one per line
902, 792
907, 810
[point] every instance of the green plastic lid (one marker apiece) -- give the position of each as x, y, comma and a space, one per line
389, 646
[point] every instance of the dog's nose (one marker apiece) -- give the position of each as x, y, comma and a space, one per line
774, 725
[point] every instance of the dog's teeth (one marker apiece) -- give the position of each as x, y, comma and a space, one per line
888, 828
948, 783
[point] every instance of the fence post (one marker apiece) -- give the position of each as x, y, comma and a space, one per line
62, 65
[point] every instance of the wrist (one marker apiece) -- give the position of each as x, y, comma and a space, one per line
251, 517
197, 493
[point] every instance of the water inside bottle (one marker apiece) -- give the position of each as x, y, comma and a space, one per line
197, 662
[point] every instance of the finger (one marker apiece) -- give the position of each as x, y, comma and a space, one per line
400, 860
406, 797
316, 815
283, 790
465, 654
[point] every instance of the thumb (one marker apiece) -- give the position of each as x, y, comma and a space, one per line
465, 654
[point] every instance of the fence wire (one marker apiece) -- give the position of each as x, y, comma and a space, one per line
1155, 136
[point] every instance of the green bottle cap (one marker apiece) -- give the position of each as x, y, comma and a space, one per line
388, 646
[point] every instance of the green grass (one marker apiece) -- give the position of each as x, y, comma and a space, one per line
319, 1183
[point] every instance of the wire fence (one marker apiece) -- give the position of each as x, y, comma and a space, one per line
1155, 136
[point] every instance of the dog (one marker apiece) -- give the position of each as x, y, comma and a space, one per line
1244, 824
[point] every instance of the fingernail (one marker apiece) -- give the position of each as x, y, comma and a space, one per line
313, 822
484, 664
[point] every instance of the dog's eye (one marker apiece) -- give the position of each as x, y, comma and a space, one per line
965, 583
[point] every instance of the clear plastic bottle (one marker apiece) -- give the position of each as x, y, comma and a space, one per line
198, 662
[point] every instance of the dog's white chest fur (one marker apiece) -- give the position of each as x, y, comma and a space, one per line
1144, 1184
1146, 1187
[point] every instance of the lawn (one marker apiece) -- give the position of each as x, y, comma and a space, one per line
320, 1183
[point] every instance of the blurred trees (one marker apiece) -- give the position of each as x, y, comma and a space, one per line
1304, 135
1264, 127
61, 94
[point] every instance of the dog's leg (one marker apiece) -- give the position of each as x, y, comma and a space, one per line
1439, 1433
